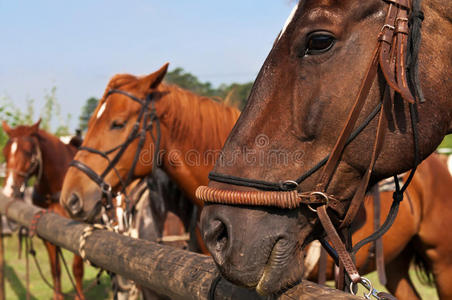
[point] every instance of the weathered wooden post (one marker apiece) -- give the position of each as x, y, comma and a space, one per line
172, 272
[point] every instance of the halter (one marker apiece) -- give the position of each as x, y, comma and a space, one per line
148, 116
35, 167
390, 56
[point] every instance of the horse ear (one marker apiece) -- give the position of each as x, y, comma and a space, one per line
6, 128
35, 126
153, 80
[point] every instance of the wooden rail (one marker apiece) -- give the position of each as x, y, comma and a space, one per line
172, 272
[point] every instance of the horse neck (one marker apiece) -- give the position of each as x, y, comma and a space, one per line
55, 157
196, 128
436, 55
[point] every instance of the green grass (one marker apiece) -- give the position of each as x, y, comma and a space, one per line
447, 142
15, 283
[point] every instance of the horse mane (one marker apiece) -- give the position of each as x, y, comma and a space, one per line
201, 121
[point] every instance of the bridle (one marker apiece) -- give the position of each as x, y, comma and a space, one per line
35, 168
398, 46
148, 116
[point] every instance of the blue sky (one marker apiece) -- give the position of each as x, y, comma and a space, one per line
78, 45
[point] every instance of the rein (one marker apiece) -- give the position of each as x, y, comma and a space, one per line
146, 115
396, 48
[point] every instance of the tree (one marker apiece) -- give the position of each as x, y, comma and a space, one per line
237, 93
50, 105
87, 111
447, 142
190, 82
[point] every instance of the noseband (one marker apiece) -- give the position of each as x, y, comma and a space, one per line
147, 116
396, 48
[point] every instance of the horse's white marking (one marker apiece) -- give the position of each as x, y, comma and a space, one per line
101, 110
288, 21
449, 164
8, 189
120, 213
312, 257
66, 139
13, 148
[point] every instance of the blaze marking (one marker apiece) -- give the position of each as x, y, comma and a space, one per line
101, 110
8, 189
13, 148
289, 20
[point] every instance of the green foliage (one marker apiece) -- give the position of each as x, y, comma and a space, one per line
50, 116
87, 111
447, 142
190, 82
235, 93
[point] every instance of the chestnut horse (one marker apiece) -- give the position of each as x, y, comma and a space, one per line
139, 124
417, 234
33, 152
348, 88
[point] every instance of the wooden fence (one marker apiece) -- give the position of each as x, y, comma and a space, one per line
172, 272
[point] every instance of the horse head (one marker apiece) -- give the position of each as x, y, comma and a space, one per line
118, 146
22, 156
330, 57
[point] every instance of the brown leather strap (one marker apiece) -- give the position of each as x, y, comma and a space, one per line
403, 3
402, 31
321, 275
338, 149
393, 40
386, 40
378, 244
359, 195
344, 256
340, 277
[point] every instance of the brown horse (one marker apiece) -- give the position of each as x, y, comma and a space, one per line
416, 235
33, 152
333, 88
123, 136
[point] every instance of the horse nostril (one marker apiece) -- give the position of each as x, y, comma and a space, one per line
221, 237
217, 239
74, 204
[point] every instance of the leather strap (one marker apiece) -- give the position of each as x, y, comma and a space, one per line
344, 256
338, 149
378, 243
321, 275
358, 197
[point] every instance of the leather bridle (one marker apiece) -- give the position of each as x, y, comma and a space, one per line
148, 116
395, 43
35, 168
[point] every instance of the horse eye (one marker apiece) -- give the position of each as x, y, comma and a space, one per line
117, 125
319, 43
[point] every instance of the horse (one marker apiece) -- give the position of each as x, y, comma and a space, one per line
349, 94
415, 236
145, 124
31, 152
